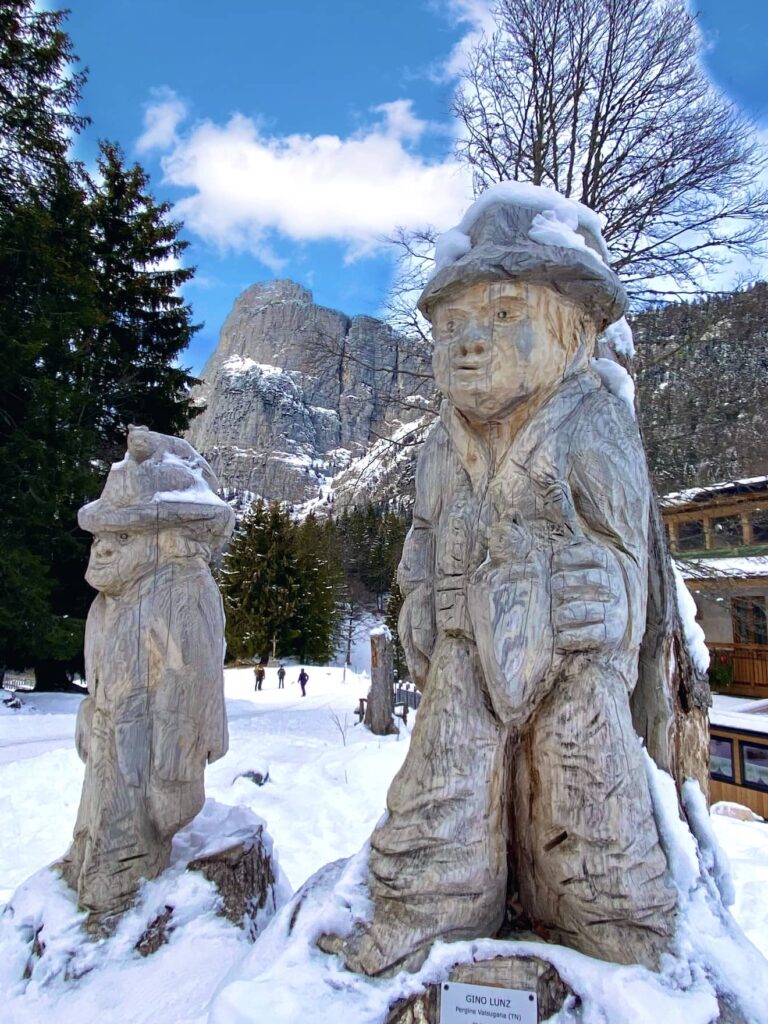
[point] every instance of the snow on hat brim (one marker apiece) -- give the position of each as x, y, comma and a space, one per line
507, 241
161, 483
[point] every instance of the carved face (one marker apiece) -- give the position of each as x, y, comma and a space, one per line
118, 559
494, 346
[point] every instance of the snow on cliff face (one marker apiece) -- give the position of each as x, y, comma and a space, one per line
290, 384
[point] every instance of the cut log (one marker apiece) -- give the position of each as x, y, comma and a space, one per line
380, 708
245, 878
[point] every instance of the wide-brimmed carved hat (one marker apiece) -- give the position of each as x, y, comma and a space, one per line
161, 483
521, 232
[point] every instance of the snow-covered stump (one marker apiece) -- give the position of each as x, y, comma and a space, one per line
379, 710
244, 876
223, 865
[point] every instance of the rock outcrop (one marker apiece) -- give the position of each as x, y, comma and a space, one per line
294, 390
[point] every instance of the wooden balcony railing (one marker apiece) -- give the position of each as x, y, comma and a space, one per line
739, 669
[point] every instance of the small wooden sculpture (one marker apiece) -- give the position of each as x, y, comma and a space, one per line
154, 714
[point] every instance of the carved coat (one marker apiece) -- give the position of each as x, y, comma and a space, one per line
519, 729
153, 717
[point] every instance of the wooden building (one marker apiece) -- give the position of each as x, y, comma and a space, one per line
719, 539
738, 744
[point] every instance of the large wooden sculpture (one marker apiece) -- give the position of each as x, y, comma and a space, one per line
154, 714
525, 581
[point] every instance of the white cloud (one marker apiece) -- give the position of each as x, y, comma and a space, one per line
162, 117
247, 187
400, 120
477, 16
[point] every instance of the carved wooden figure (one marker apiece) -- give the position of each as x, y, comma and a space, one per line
154, 714
525, 581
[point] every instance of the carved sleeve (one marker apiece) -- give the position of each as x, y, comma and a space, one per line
188, 715
609, 480
416, 571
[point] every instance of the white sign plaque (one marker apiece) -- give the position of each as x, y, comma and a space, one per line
481, 1004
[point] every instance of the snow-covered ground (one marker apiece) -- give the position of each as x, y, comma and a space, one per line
327, 785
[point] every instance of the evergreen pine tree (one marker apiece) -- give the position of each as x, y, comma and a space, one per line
46, 301
39, 91
320, 591
127, 363
90, 327
281, 583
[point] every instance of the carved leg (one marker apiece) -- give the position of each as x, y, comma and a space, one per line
591, 869
115, 844
438, 861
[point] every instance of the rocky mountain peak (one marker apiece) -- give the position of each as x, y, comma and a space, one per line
293, 391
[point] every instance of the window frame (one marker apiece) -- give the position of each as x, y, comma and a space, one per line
750, 607
738, 536
718, 776
701, 539
757, 786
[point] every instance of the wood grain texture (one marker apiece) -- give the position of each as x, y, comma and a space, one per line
154, 714
525, 582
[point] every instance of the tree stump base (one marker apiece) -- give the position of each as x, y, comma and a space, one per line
525, 972
244, 876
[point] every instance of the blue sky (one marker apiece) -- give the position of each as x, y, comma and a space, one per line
294, 137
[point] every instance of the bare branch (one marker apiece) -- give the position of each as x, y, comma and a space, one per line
606, 101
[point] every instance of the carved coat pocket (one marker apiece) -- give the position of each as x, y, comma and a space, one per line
176, 748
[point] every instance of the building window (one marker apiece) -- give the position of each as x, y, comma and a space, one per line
754, 765
749, 621
726, 532
760, 525
690, 535
721, 758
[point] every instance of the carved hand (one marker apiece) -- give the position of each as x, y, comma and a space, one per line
589, 600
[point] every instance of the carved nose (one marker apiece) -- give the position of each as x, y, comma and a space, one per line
476, 348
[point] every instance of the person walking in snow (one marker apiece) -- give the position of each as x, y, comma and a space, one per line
260, 673
303, 677
281, 678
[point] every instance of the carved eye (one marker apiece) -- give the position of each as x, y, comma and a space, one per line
502, 314
123, 537
450, 326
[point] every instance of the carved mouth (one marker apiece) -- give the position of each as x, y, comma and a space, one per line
470, 367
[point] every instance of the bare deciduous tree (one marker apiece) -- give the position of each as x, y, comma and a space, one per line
606, 101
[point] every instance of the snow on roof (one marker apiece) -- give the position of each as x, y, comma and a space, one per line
722, 568
694, 494
739, 713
